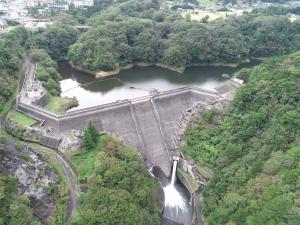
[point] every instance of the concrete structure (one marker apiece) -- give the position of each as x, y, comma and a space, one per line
148, 124
82, 28
81, 3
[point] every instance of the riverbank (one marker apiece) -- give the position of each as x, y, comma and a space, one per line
180, 70
102, 74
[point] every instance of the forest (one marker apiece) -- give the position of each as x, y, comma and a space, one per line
44, 46
137, 31
254, 149
11, 56
48, 46
119, 189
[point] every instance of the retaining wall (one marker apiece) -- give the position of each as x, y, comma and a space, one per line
50, 141
195, 196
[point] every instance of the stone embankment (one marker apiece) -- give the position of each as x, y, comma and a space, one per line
196, 110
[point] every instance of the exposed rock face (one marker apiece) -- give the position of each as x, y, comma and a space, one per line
71, 142
25, 133
227, 91
34, 177
42, 135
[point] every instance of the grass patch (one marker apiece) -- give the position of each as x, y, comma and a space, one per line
21, 118
85, 160
26, 158
60, 104
203, 172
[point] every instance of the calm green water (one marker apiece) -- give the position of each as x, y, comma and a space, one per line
136, 82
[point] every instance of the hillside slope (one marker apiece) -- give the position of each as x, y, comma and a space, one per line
254, 149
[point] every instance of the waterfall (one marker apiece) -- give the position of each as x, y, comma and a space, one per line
174, 172
177, 205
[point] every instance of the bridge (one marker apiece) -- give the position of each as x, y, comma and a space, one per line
149, 124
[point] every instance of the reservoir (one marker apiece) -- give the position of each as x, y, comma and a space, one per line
137, 82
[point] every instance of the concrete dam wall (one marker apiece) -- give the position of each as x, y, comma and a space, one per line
148, 124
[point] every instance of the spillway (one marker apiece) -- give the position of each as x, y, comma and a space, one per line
178, 206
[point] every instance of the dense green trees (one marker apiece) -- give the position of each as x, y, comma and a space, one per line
11, 54
90, 137
55, 40
133, 32
278, 10
46, 70
14, 209
254, 149
46, 47
119, 189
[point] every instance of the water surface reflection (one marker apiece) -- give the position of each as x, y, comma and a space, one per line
136, 82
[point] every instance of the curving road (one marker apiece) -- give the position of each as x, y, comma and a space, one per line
28, 69
71, 179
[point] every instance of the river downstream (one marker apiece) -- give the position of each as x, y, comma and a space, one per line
136, 82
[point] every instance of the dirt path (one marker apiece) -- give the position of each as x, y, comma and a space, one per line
71, 178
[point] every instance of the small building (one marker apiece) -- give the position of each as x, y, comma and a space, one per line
34, 90
58, 7
82, 3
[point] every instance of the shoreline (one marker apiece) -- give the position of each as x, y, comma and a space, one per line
103, 74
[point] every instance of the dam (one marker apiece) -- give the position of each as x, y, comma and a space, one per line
148, 124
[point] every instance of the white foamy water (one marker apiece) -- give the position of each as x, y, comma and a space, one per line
174, 199
177, 201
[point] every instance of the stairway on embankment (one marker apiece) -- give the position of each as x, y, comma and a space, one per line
151, 134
